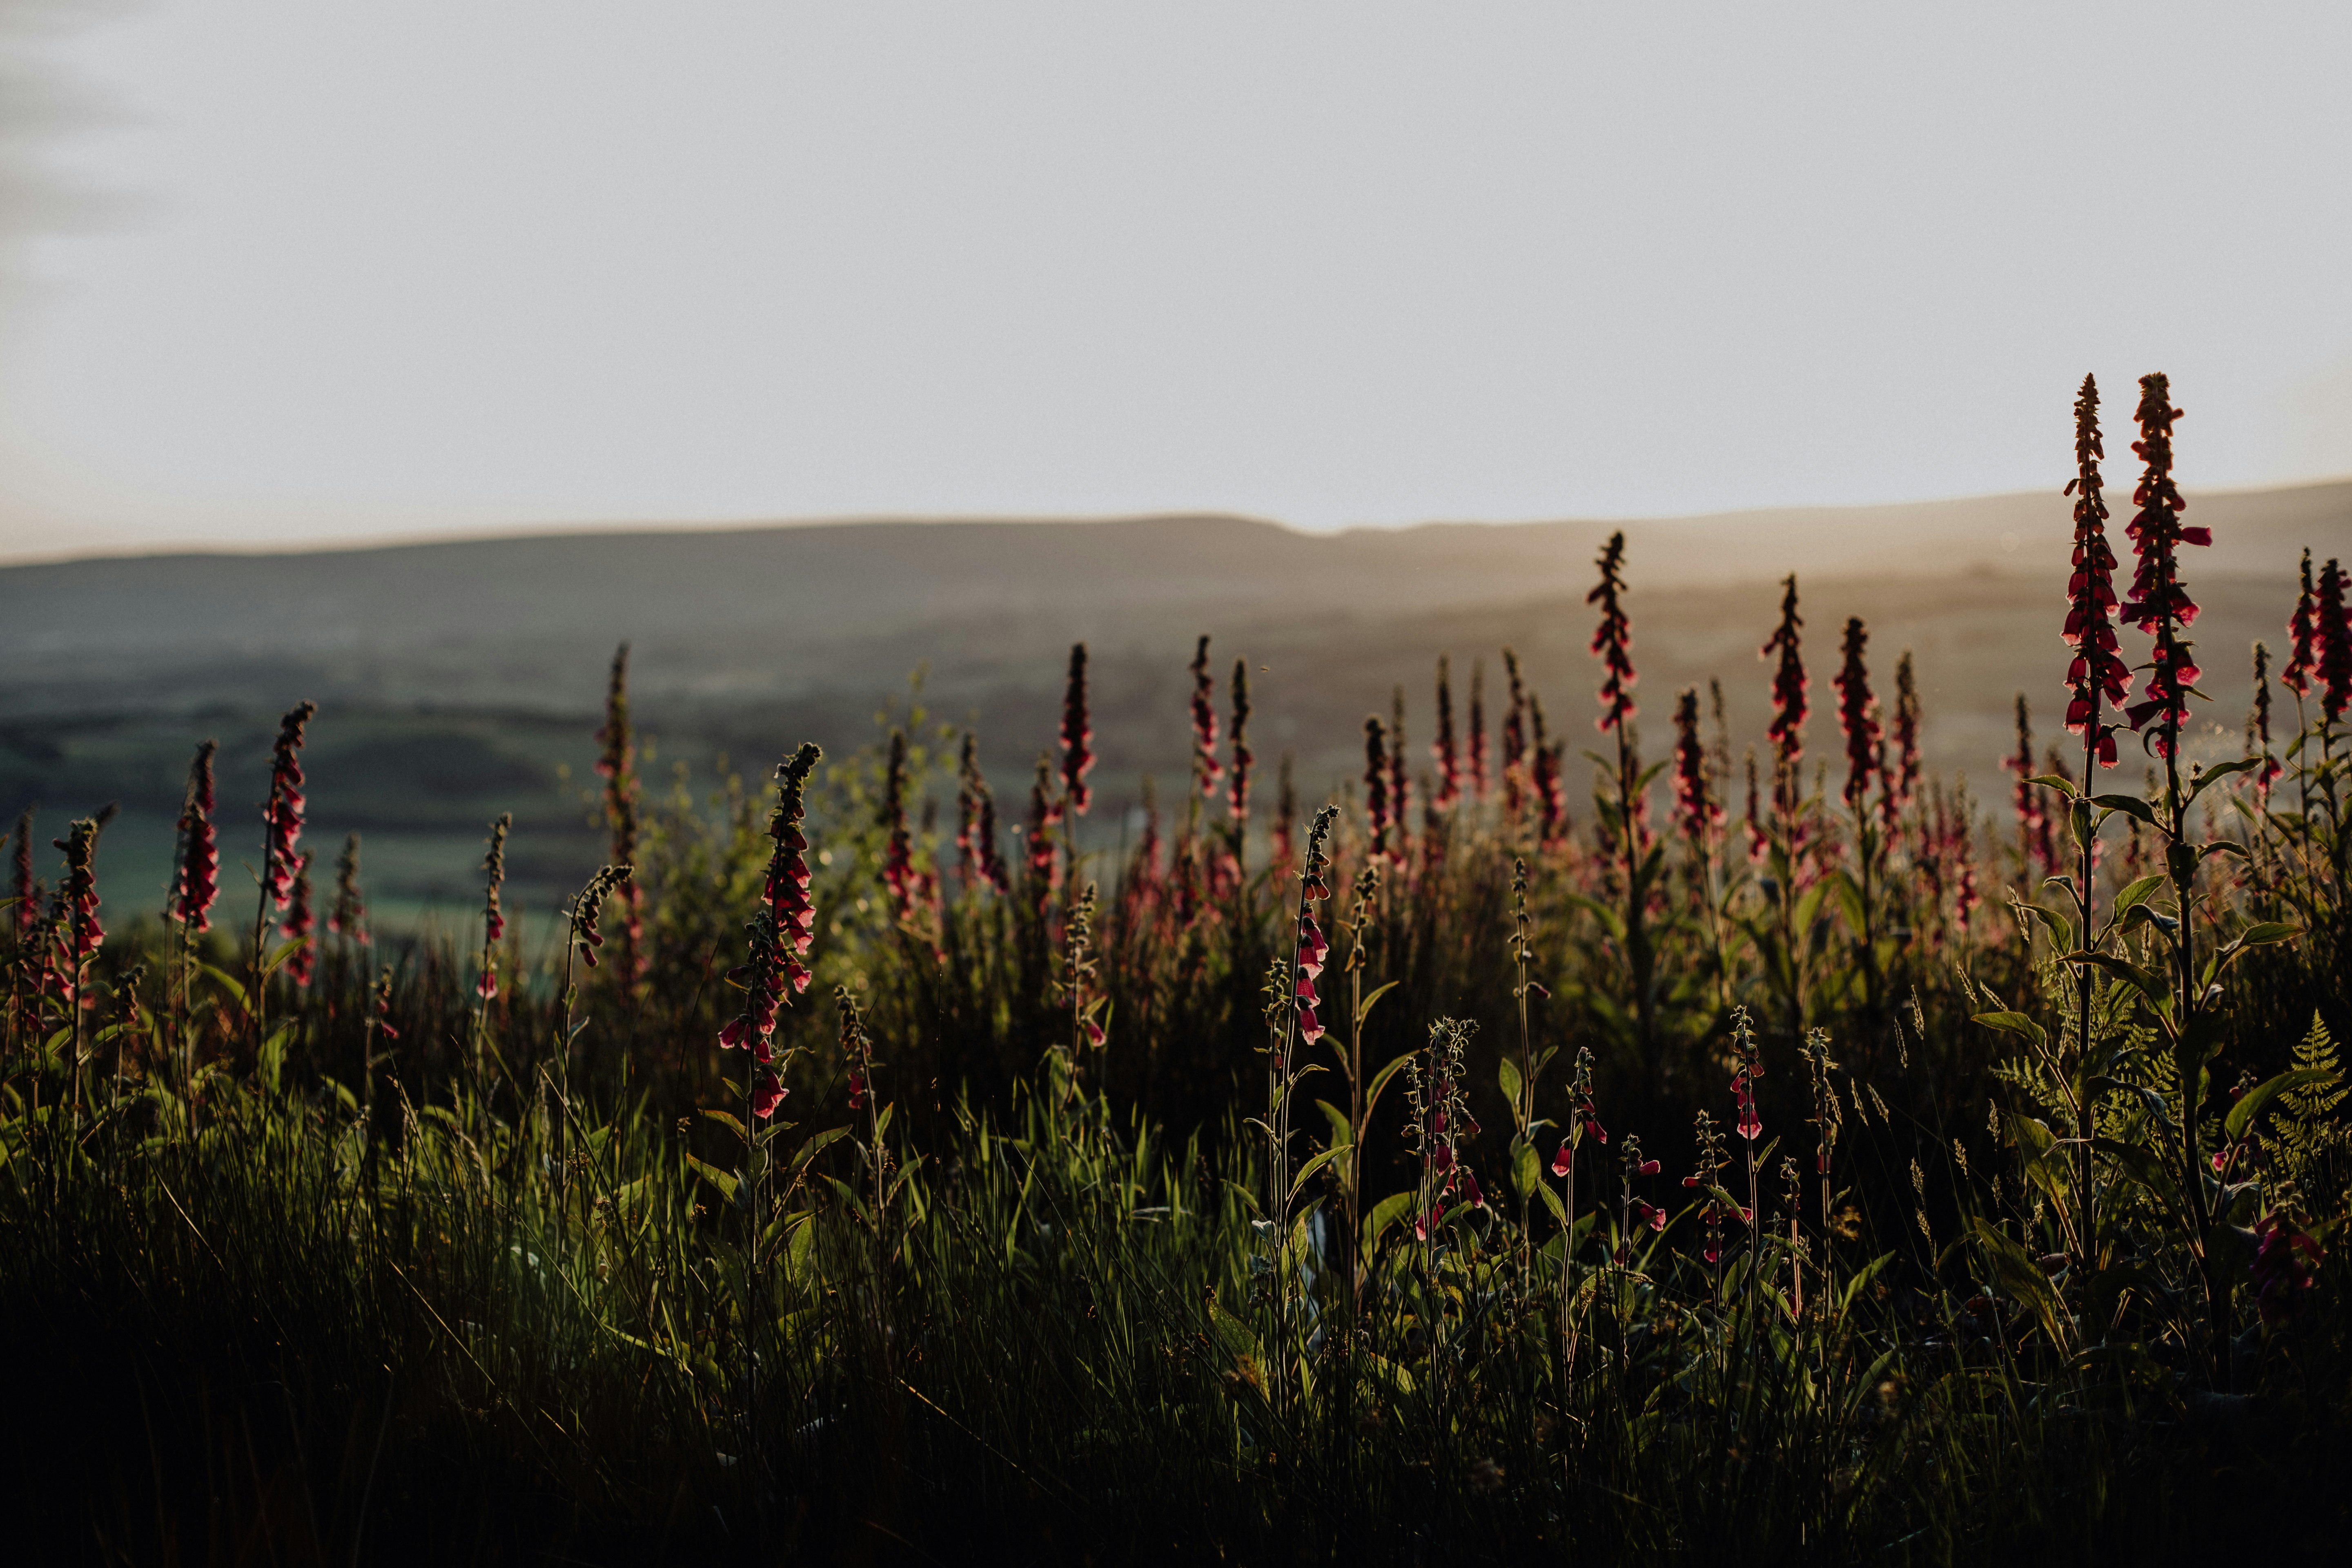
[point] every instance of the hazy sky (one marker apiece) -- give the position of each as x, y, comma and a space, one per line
280, 270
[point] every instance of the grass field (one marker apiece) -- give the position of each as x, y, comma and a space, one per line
930, 1152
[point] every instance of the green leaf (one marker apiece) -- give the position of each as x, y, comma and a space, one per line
1380, 1081
723, 1180
1384, 1214
1341, 1133
1527, 1169
1551, 1202
1506, 1074
2015, 1023
2214, 775
2148, 985
225, 981
2022, 1277
1307, 1172
1364, 1008
2138, 893
815, 1146
2254, 1100
727, 1118
2129, 805
2064, 785
2266, 931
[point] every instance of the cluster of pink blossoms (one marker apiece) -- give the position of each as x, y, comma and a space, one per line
781, 931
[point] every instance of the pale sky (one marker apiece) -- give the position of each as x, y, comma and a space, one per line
287, 270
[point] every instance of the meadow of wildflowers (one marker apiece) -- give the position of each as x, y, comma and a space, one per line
1288, 1179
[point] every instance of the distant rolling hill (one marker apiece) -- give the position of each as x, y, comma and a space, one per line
458, 678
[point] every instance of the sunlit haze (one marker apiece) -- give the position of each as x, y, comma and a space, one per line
284, 271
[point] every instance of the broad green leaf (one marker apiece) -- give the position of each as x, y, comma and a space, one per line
2023, 1278
2129, 805
727, 1118
723, 1180
1307, 1172
1341, 1133
1384, 1215
1527, 1169
1506, 1074
1364, 1008
2214, 775
2256, 1100
2015, 1023
2139, 892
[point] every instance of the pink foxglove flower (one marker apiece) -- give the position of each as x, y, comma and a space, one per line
1078, 735
281, 814
197, 882
2097, 673
1206, 769
1857, 714
2160, 605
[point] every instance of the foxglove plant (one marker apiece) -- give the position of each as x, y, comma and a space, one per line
2097, 674
1445, 753
1900, 780
2258, 728
1515, 742
781, 932
1044, 814
1632, 1212
1477, 717
2160, 605
1077, 737
978, 857
1400, 795
347, 918
1865, 753
617, 764
300, 927
1583, 1122
1787, 729
2028, 798
80, 935
1378, 819
898, 878
195, 880
281, 828
2335, 640
1206, 769
1238, 795
1613, 644
1079, 974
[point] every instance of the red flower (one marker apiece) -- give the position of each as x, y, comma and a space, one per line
898, 878
1857, 714
2286, 1260
767, 1093
856, 1091
300, 925
1565, 1161
2335, 642
1614, 639
1376, 785
783, 926
2097, 672
1445, 752
1788, 682
1895, 786
1206, 769
1478, 728
1238, 795
197, 881
1078, 735
1644, 1214
1514, 739
281, 814
2160, 605
1694, 807
2303, 637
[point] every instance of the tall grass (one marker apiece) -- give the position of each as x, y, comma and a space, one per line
1200, 1201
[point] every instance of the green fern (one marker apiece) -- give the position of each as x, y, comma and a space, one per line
2307, 1130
